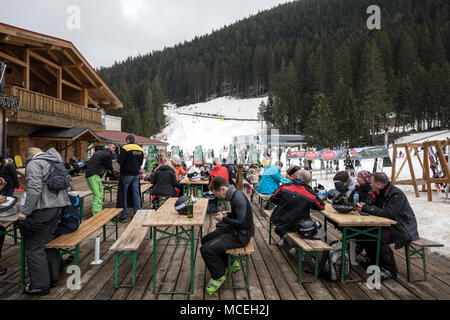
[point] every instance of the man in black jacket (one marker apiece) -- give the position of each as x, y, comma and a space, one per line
234, 230
393, 204
100, 161
130, 159
294, 202
8, 172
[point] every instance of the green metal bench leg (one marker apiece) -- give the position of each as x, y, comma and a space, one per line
116, 266
77, 254
229, 271
246, 271
408, 263
270, 232
424, 264
104, 233
117, 227
133, 279
22, 261
15, 234
299, 265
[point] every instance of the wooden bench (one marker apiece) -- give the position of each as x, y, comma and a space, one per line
417, 248
239, 254
308, 247
268, 213
67, 242
146, 188
128, 243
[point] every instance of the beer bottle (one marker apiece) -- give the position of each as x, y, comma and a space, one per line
190, 208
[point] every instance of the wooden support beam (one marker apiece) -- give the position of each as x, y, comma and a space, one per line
75, 78
70, 84
394, 162
45, 60
87, 77
26, 70
76, 65
50, 70
401, 168
39, 75
95, 103
411, 169
12, 59
85, 96
59, 84
427, 172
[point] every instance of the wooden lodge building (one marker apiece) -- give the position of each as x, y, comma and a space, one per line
61, 97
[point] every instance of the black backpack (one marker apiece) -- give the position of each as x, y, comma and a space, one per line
58, 178
70, 219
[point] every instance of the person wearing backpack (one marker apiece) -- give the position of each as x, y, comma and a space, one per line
47, 183
393, 204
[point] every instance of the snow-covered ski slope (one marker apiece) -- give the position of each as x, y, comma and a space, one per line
202, 123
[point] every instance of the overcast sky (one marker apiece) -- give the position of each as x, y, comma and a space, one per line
112, 30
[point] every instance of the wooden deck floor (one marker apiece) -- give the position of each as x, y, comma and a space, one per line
272, 276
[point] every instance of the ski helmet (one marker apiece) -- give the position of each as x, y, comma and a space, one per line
181, 204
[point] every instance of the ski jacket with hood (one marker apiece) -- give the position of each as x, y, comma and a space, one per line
38, 196
294, 202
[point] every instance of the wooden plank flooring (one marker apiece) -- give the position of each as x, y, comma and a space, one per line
272, 275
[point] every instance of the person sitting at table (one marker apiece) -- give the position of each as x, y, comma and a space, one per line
3, 199
218, 170
233, 230
271, 178
164, 182
363, 188
393, 204
100, 162
344, 183
179, 170
294, 202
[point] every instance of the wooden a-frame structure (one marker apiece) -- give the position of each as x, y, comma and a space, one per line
426, 179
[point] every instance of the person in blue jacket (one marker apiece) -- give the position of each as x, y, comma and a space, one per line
271, 178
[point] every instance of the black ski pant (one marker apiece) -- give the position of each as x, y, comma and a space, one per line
42, 262
214, 246
387, 260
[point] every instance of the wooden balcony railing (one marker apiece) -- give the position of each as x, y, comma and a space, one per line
41, 103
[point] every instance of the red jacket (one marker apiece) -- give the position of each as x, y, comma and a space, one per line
219, 171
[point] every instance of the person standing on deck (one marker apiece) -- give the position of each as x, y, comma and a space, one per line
130, 159
100, 161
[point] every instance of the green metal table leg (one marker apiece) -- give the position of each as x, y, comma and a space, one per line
246, 270
192, 259
117, 227
424, 264
316, 269
377, 260
155, 243
344, 247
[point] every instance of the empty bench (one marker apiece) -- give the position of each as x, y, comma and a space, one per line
417, 248
239, 254
70, 243
126, 246
308, 248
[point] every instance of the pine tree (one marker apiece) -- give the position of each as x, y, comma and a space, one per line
321, 129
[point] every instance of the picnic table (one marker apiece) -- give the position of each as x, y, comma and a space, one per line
166, 216
189, 185
11, 231
358, 225
110, 185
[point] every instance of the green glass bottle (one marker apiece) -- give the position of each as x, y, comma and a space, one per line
190, 208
